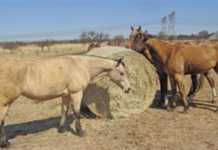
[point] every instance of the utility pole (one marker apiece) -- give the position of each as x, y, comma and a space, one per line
172, 23
164, 26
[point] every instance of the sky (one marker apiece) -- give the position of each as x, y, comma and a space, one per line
66, 19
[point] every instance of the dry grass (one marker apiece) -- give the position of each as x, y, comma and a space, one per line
36, 51
33, 126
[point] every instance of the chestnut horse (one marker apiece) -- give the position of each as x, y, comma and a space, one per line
175, 60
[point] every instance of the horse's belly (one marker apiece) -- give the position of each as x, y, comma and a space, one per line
44, 93
200, 67
76, 86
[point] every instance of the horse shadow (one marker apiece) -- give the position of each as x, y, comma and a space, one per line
32, 127
37, 126
204, 104
102, 103
96, 100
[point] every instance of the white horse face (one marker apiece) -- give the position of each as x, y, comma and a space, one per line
119, 76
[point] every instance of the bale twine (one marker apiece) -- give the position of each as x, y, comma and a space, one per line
105, 99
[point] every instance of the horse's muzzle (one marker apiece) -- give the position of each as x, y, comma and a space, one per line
128, 90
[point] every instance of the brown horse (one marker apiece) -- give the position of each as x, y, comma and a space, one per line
175, 60
137, 43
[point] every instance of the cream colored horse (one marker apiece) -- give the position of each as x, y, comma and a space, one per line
64, 76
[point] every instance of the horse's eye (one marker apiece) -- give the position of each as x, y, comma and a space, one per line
138, 36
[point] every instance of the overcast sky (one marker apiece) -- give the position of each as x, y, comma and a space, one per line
61, 19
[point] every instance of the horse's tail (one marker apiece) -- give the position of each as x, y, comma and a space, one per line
216, 68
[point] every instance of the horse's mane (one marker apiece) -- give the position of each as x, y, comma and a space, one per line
101, 57
149, 42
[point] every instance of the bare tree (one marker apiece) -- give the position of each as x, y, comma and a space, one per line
44, 44
9, 45
119, 40
93, 36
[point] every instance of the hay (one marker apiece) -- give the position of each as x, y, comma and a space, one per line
106, 99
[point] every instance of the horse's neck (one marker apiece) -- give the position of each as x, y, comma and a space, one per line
99, 67
161, 49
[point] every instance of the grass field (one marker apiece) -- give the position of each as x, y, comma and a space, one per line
34, 126
36, 51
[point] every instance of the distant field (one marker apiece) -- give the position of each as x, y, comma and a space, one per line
36, 51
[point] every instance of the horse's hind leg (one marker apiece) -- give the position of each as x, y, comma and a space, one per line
174, 92
77, 99
3, 138
193, 86
211, 81
180, 81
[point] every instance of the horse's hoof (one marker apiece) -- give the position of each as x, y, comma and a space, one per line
81, 132
5, 144
61, 129
185, 111
174, 104
162, 106
172, 109
169, 109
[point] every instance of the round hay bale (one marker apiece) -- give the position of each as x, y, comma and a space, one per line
106, 99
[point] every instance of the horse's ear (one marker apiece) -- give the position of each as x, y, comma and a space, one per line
139, 28
120, 61
132, 28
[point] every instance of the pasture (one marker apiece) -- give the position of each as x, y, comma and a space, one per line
34, 126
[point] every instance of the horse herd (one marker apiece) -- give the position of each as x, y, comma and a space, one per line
68, 76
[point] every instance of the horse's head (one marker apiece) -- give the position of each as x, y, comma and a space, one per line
119, 76
137, 41
138, 38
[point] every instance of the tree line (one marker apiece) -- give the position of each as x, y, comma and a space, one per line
204, 34
93, 36
85, 37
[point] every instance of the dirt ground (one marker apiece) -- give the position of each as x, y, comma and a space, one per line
32, 127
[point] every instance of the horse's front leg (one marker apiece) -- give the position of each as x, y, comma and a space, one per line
163, 102
180, 81
76, 102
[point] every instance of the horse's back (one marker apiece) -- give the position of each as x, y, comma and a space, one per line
52, 76
193, 59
